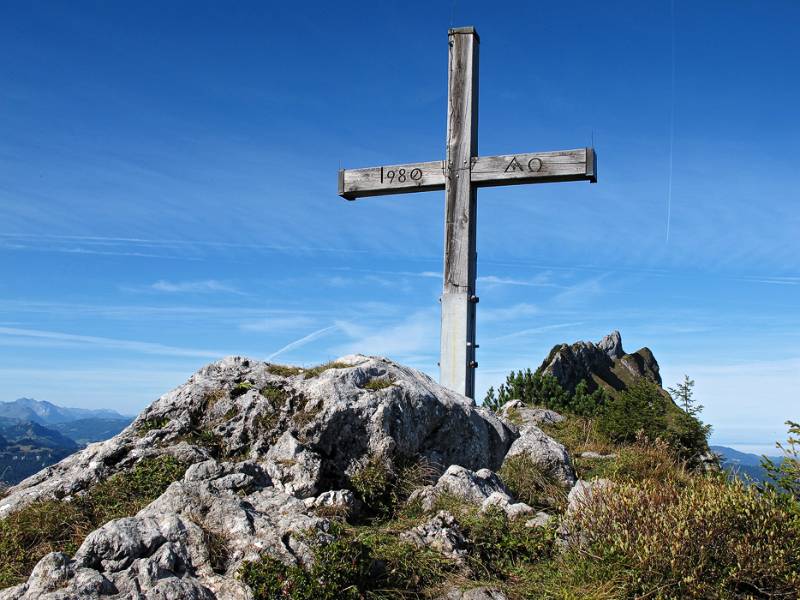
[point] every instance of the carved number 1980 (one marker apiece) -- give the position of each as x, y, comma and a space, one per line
401, 175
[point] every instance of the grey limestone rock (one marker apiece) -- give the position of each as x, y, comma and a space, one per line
268, 451
548, 454
442, 533
472, 486
519, 413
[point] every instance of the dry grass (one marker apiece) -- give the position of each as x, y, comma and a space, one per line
284, 370
52, 525
314, 371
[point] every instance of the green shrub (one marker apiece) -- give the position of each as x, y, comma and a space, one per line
500, 545
53, 525
786, 472
644, 409
704, 538
356, 565
537, 389
274, 394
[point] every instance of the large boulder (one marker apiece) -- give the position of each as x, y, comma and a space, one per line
545, 453
482, 488
270, 451
309, 427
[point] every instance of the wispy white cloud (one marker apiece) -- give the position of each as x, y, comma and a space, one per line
206, 286
582, 291
774, 280
541, 280
109, 343
509, 313
417, 334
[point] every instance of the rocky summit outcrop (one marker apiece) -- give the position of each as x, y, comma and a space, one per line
270, 453
602, 365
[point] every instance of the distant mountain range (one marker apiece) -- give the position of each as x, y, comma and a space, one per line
743, 464
36, 433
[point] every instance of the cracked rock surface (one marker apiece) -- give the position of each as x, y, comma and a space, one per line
269, 453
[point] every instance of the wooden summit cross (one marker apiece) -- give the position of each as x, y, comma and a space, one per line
460, 175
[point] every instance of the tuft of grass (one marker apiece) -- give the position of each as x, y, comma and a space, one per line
152, 424
371, 480
378, 383
531, 485
231, 413
274, 394
384, 485
579, 434
303, 417
314, 371
284, 370
240, 389
642, 461
217, 543
58, 525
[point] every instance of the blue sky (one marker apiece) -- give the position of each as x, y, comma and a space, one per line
168, 192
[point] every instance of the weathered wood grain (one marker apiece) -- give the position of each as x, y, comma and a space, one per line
486, 171
536, 167
457, 370
391, 179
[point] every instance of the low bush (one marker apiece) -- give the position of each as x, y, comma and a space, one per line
499, 545
641, 461
356, 565
703, 538
384, 485
53, 525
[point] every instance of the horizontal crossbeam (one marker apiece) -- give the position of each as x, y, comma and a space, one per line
485, 171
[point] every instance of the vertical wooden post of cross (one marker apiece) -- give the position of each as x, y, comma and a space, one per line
457, 361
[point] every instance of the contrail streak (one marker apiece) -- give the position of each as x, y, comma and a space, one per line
302, 341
